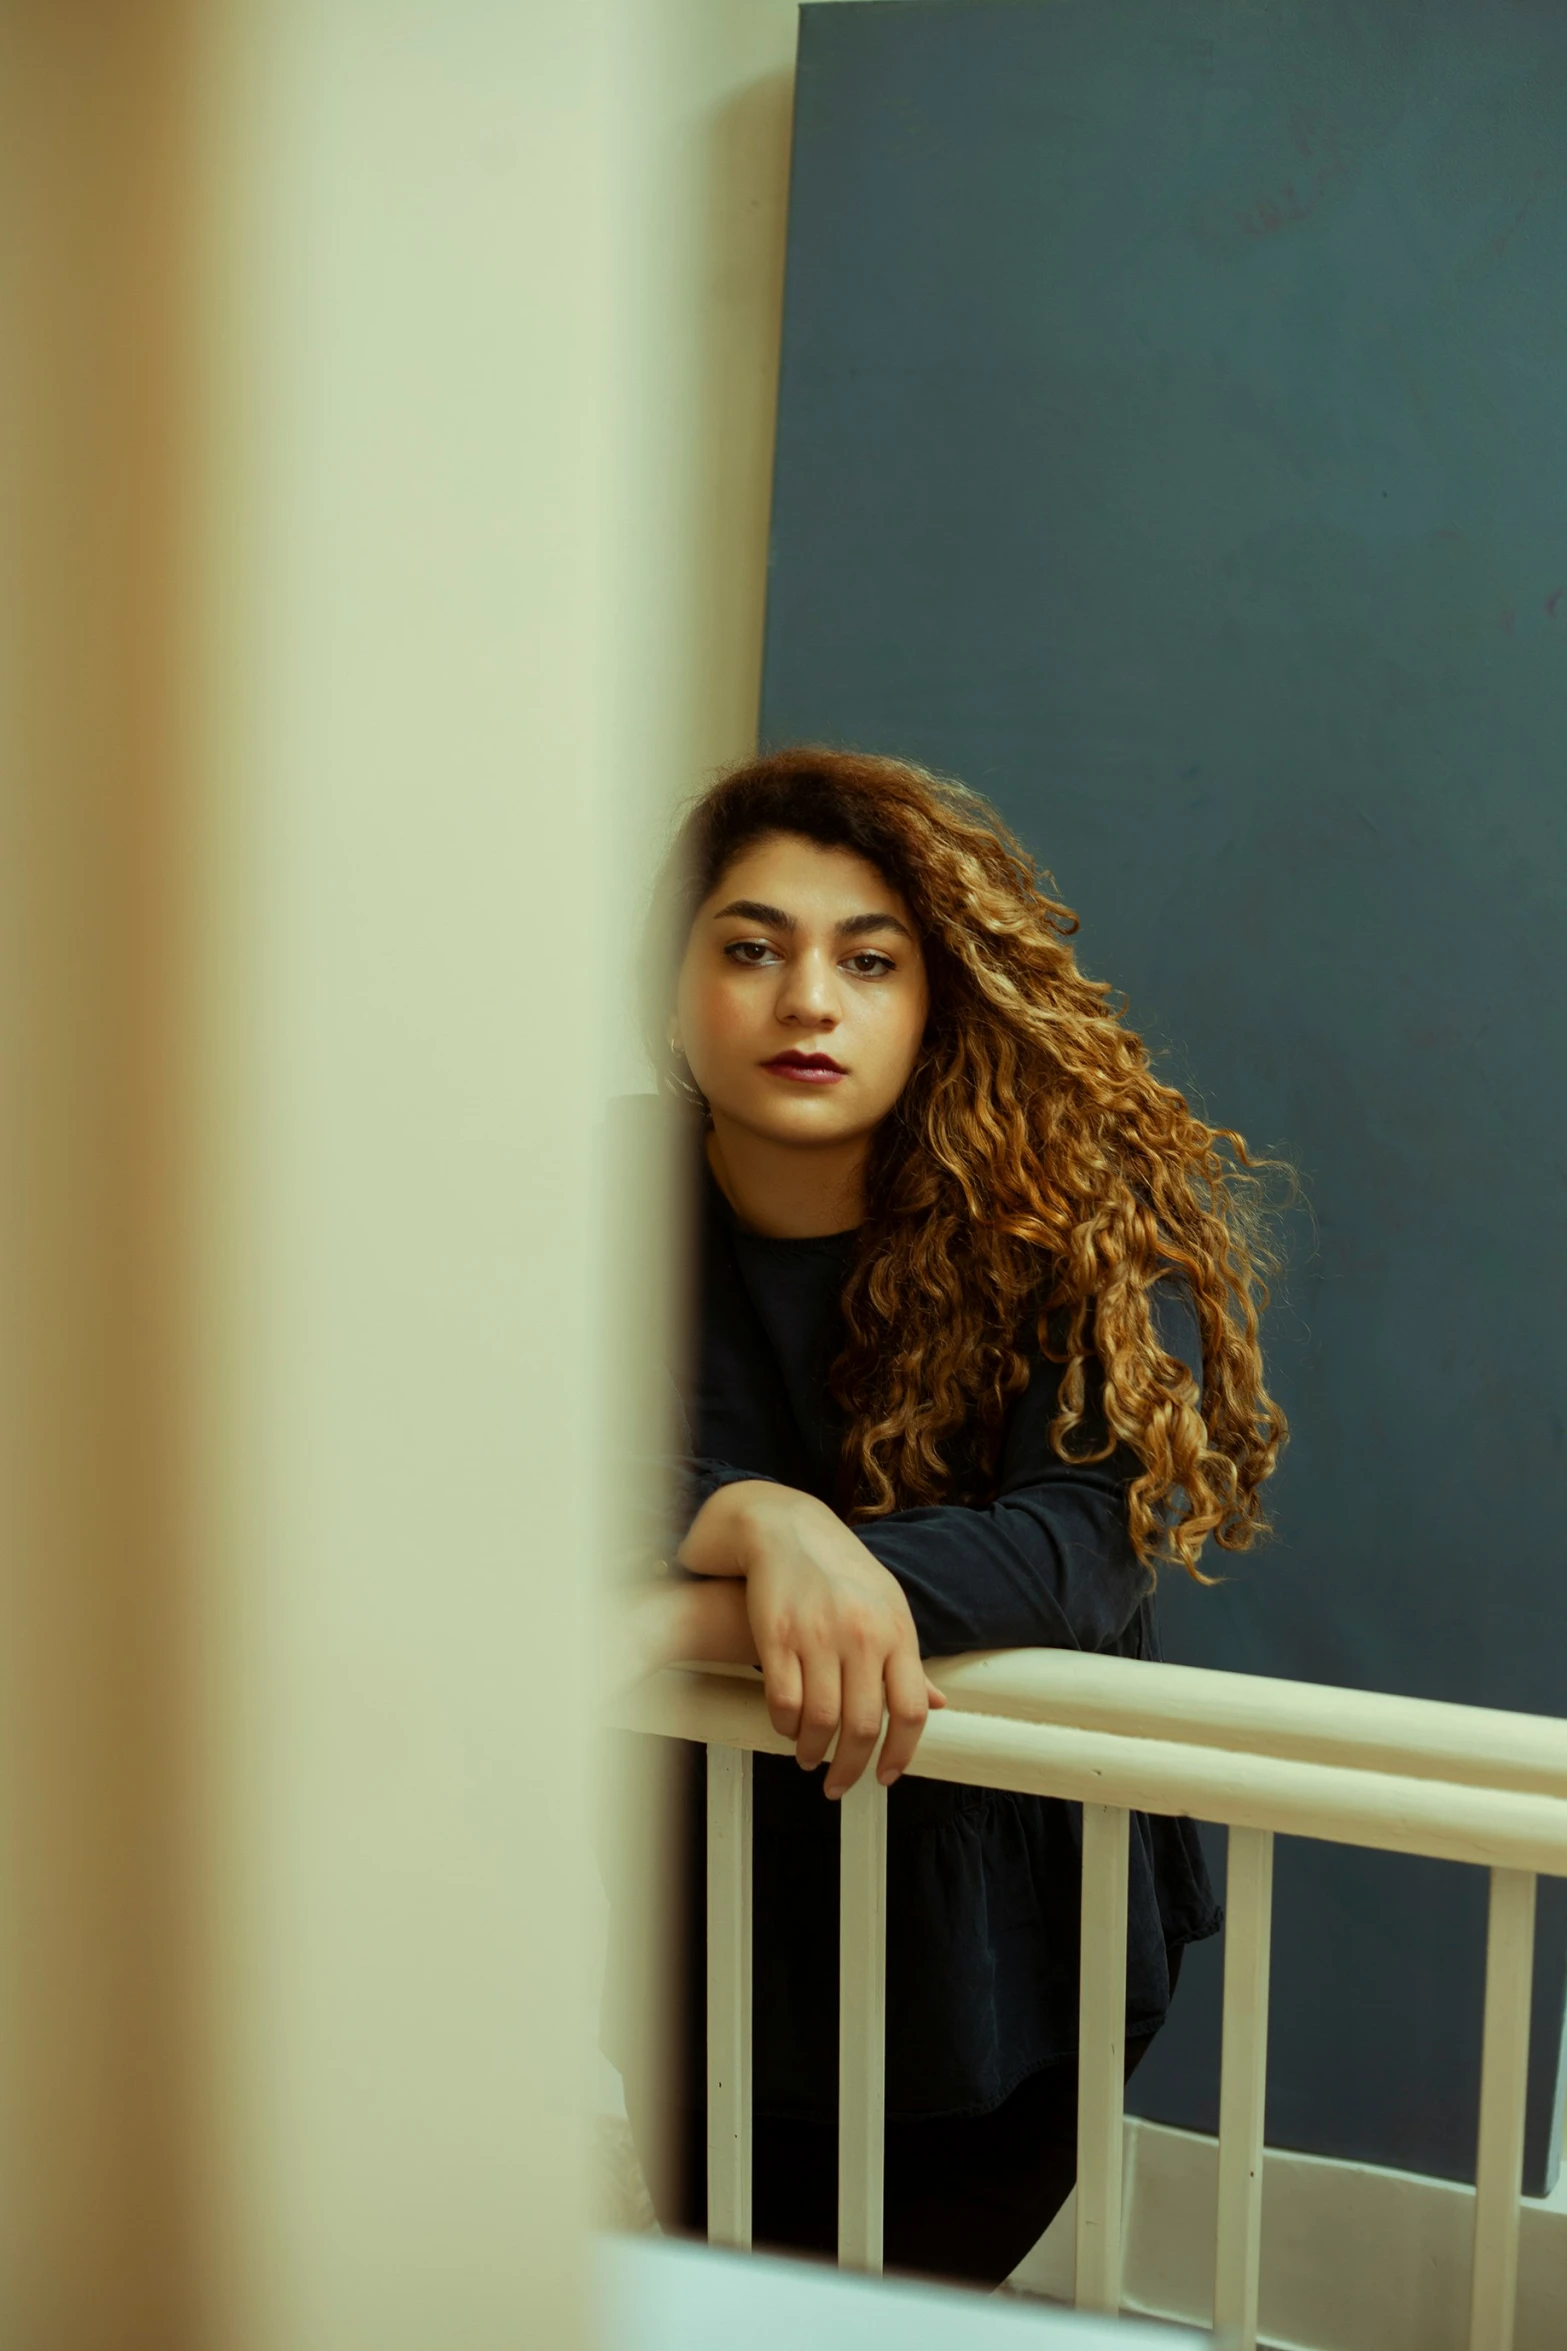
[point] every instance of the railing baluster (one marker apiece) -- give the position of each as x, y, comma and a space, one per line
1101, 2060
1504, 2089
728, 1996
1248, 1931
862, 2020
1505, 1804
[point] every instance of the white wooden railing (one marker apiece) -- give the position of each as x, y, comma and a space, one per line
1262, 1757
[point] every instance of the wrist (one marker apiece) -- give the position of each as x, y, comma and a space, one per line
734, 1525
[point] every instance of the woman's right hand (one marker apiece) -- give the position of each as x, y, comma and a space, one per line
832, 1627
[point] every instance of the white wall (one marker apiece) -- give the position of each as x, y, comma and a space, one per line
490, 349
707, 103
403, 368
407, 834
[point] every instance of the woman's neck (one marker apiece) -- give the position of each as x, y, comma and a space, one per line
789, 1192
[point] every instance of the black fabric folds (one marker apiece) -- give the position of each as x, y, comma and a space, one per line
983, 1886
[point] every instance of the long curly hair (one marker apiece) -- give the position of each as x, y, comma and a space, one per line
1032, 1183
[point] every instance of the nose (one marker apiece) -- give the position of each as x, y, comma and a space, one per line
808, 993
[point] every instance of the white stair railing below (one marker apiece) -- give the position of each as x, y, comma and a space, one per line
1101, 2059
862, 2022
1264, 1757
1243, 2074
1504, 2091
729, 1851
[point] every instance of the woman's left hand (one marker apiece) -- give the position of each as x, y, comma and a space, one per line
832, 1627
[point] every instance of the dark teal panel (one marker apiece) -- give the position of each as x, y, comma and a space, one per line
1171, 442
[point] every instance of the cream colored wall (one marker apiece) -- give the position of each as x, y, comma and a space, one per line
404, 813
707, 95
494, 294
390, 448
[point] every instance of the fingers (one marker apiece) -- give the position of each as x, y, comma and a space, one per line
784, 1687
908, 1702
821, 1706
836, 1647
846, 1694
861, 1724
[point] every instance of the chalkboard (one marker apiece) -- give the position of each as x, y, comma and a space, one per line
1173, 443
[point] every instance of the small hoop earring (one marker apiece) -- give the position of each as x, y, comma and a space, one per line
681, 1080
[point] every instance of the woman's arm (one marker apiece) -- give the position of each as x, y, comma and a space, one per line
840, 1617
1047, 1567
670, 1622
1050, 1563
831, 1627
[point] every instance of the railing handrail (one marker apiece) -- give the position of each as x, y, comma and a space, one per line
1119, 1735
1447, 1819
1258, 1714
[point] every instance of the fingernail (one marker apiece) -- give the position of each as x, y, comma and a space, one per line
887, 1777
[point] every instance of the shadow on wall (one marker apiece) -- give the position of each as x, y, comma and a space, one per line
745, 214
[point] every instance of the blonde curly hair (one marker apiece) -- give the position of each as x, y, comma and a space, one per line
1034, 1180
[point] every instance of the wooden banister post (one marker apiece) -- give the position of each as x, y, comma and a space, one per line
1101, 2058
862, 2021
728, 1996
1248, 1932
1504, 2091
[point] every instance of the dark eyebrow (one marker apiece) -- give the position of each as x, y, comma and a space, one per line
859, 926
754, 911
854, 926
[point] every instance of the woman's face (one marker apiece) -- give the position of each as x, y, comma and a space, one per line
802, 995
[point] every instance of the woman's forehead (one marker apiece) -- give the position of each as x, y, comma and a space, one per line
781, 866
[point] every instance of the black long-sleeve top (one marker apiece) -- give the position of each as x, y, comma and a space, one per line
983, 1885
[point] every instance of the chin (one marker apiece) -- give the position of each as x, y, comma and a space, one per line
805, 1121
808, 1132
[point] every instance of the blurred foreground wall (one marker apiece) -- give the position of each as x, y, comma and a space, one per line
386, 431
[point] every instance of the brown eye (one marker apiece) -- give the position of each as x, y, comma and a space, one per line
868, 965
750, 953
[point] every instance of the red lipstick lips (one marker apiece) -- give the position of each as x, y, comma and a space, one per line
806, 1069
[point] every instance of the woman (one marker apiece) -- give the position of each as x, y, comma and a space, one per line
975, 1351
